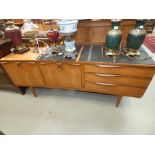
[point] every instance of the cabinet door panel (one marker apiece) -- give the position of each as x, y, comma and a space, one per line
24, 73
16, 73
61, 75
32, 74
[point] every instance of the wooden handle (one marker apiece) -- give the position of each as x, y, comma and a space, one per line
104, 84
43, 63
30, 62
108, 75
107, 66
75, 64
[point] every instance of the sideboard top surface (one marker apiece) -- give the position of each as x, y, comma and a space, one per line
95, 53
88, 53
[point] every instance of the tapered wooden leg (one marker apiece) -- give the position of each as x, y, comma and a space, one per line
118, 100
33, 92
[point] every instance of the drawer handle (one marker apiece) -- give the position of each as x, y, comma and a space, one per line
43, 63
104, 84
108, 75
75, 64
107, 66
30, 62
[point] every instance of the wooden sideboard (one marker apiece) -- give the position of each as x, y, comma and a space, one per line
89, 72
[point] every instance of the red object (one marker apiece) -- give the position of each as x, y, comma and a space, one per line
15, 36
53, 35
149, 42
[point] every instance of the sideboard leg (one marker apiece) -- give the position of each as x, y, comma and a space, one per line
118, 100
33, 91
22, 90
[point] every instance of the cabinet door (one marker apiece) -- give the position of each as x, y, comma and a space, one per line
24, 73
61, 75
16, 73
32, 73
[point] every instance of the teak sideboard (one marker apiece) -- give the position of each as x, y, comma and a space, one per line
84, 73
91, 71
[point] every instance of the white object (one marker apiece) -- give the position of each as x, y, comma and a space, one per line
28, 27
115, 27
69, 46
67, 26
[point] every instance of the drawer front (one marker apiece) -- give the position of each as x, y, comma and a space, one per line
114, 89
122, 70
117, 79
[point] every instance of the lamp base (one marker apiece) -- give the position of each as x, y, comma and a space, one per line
20, 49
70, 55
111, 52
133, 53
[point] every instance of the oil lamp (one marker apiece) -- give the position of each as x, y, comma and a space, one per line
13, 32
68, 29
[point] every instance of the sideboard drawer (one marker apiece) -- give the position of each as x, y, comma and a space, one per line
114, 89
122, 70
117, 79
